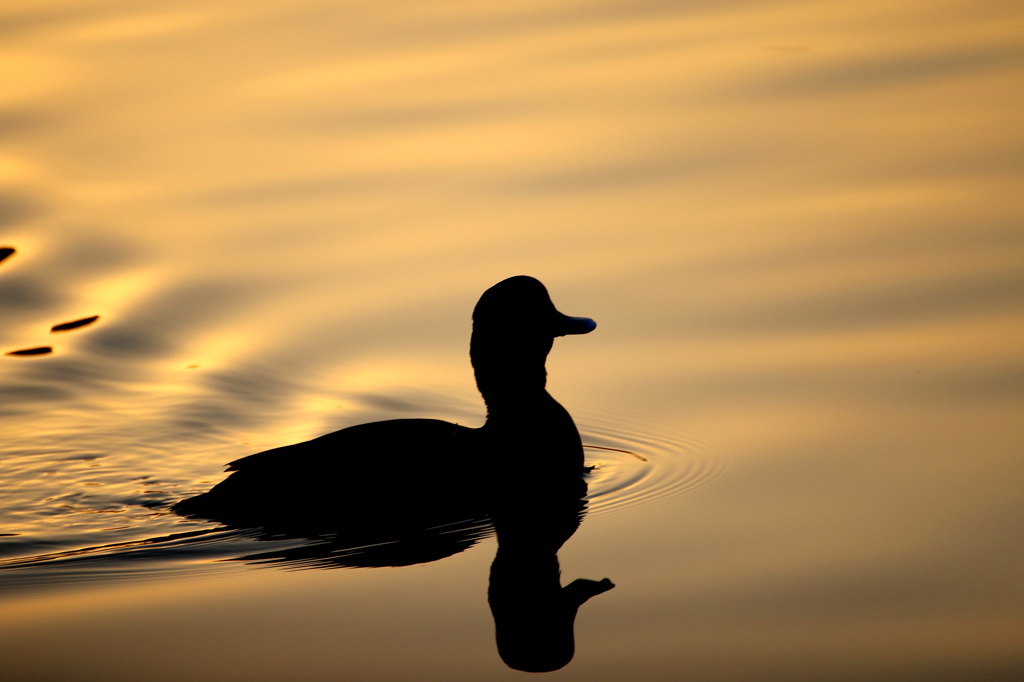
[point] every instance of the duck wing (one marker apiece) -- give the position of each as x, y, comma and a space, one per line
402, 473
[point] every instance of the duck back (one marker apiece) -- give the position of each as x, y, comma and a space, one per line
395, 473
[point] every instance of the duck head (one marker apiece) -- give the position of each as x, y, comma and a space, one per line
514, 325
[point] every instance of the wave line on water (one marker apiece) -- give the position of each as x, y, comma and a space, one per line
668, 466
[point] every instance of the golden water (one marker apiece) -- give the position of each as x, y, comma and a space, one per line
798, 225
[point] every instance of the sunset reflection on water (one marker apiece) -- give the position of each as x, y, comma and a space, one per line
797, 224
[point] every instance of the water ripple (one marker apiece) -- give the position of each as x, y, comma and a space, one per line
633, 467
630, 467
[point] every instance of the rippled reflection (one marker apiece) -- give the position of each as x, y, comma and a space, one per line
533, 612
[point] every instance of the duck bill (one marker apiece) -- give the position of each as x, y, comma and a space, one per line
575, 325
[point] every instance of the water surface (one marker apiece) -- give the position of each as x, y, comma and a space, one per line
798, 226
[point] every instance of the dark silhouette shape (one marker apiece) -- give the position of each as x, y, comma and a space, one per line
533, 614
413, 490
412, 474
364, 485
6, 251
41, 350
74, 324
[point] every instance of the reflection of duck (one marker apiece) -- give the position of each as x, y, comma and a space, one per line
392, 478
533, 614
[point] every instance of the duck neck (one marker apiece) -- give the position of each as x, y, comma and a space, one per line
511, 387
509, 371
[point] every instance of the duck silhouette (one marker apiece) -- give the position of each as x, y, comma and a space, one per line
391, 480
